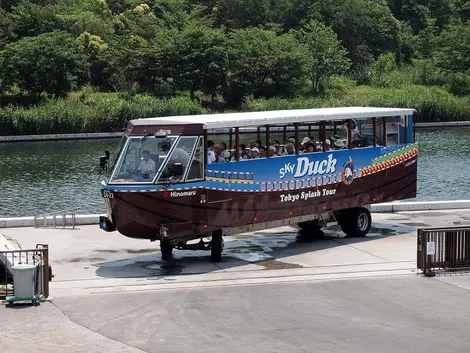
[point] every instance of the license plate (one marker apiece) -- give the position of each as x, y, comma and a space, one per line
107, 194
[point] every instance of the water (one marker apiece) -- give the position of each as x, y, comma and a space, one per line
43, 177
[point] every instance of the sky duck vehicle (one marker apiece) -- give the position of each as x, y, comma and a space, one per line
169, 182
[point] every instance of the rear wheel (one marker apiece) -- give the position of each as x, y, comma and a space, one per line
356, 222
166, 249
217, 246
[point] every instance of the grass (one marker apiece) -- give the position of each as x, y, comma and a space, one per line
109, 112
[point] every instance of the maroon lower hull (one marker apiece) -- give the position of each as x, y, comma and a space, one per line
140, 214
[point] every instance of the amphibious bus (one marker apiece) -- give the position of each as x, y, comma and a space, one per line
165, 184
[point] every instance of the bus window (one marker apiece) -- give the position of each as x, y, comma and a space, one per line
196, 169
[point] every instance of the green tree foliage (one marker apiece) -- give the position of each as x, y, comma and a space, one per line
323, 53
261, 61
50, 63
230, 49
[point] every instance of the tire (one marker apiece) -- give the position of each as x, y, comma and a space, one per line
217, 246
166, 248
356, 222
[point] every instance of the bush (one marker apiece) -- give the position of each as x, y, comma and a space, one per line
91, 113
431, 103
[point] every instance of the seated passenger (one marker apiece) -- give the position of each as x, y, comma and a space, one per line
279, 149
272, 151
262, 152
290, 148
178, 155
254, 152
339, 145
309, 148
147, 167
224, 154
327, 145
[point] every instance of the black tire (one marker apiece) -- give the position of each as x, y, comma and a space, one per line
166, 248
356, 222
217, 246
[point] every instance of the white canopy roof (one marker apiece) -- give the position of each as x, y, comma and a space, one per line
231, 120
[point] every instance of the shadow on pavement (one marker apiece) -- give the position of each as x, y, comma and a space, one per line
267, 249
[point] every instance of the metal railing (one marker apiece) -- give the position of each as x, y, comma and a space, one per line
38, 257
443, 249
62, 215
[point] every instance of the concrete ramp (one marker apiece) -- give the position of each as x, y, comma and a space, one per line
9, 259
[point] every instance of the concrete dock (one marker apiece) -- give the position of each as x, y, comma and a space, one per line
271, 293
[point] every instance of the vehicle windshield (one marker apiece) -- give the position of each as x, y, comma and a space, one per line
149, 158
141, 159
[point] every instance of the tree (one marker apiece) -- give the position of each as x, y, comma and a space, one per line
126, 58
50, 63
452, 55
241, 13
324, 55
260, 62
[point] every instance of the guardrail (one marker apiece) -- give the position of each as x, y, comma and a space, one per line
53, 217
38, 257
443, 249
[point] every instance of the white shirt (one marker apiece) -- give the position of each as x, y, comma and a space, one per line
356, 135
148, 167
210, 156
179, 156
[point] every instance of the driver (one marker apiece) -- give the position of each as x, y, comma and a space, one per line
148, 166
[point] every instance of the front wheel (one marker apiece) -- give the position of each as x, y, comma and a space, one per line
217, 246
356, 222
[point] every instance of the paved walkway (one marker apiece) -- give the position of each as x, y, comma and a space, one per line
269, 294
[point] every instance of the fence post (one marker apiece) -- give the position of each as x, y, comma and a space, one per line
46, 270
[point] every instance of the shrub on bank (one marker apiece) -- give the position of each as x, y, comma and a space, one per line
89, 114
108, 113
432, 103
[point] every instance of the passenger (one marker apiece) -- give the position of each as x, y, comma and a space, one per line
254, 152
291, 140
279, 150
327, 145
262, 152
210, 152
305, 141
310, 148
223, 153
290, 148
252, 144
178, 155
339, 145
272, 151
258, 143
242, 152
147, 167
355, 134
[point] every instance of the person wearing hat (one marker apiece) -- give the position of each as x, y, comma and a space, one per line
290, 148
327, 145
291, 140
254, 152
305, 141
339, 145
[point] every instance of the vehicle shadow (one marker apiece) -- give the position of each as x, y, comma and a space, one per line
265, 250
